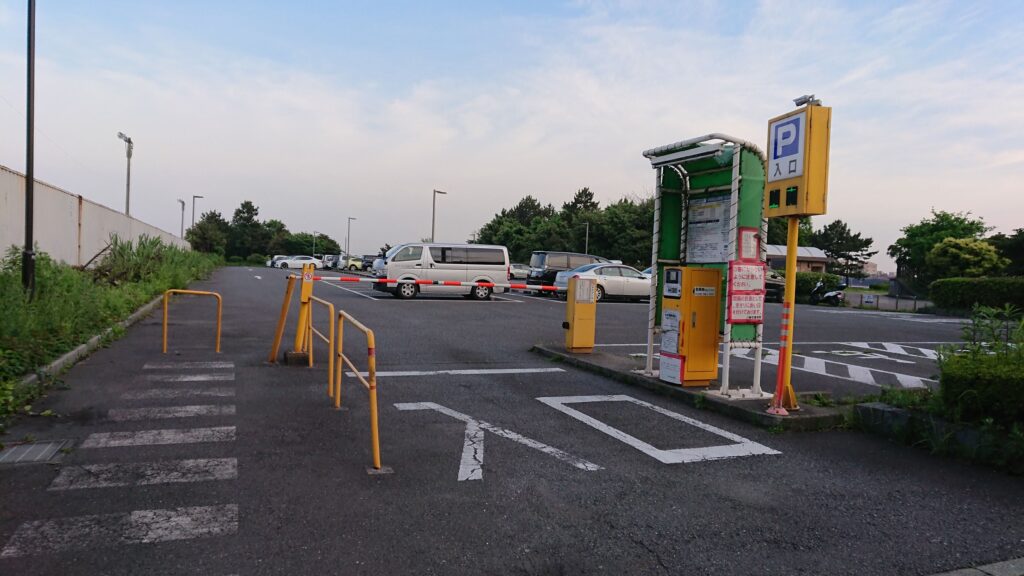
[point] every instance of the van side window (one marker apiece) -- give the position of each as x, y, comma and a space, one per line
557, 260
436, 255
408, 254
485, 256
455, 256
577, 261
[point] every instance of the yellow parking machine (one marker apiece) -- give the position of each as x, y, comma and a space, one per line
580, 315
691, 310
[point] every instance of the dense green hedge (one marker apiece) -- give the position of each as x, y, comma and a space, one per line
964, 293
976, 387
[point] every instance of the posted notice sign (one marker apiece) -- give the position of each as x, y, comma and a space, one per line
746, 308
746, 293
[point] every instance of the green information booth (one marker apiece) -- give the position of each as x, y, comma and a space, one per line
708, 213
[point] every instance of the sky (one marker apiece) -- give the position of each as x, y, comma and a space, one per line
320, 111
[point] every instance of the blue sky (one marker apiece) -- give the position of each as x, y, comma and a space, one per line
360, 109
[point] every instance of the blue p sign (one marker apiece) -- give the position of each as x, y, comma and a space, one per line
786, 138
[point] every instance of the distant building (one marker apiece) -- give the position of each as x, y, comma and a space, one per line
870, 269
808, 259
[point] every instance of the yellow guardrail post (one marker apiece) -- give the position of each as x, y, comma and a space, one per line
279, 333
370, 382
335, 391
371, 352
305, 291
167, 301
329, 339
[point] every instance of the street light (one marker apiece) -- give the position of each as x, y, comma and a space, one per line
586, 241
128, 147
194, 196
182, 202
28, 255
314, 244
433, 214
348, 235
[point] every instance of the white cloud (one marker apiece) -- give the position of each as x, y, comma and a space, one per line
913, 127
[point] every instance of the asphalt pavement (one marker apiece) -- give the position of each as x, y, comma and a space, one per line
502, 462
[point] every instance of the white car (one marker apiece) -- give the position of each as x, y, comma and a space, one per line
272, 263
298, 262
613, 281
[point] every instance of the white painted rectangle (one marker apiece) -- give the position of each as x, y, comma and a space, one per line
166, 393
160, 437
187, 365
227, 376
108, 530
145, 473
129, 414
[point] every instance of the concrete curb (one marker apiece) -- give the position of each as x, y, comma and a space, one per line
752, 411
69, 359
1014, 567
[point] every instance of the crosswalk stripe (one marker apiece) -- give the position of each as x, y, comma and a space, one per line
105, 530
160, 437
145, 473
854, 372
225, 376
187, 365
900, 349
816, 365
165, 393
161, 412
861, 374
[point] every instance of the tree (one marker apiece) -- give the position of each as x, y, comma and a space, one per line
1012, 248
847, 251
911, 249
247, 235
778, 231
210, 233
964, 257
276, 233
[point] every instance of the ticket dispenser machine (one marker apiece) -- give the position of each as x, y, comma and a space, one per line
580, 315
691, 309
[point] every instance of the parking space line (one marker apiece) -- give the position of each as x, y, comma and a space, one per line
741, 446
356, 292
467, 372
145, 473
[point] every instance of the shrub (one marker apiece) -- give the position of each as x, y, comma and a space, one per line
256, 259
965, 293
235, 260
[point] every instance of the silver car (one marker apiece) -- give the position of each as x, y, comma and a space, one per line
613, 281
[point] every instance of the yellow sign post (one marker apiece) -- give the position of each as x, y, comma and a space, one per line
796, 186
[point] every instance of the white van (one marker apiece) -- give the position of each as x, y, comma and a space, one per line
443, 262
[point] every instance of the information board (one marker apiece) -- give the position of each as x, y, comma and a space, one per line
707, 229
746, 293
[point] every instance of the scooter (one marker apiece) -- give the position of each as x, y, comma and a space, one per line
832, 297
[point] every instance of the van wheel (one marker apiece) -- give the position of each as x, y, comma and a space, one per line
481, 293
406, 290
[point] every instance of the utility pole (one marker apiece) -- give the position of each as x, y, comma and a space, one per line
194, 196
128, 147
586, 241
348, 235
28, 255
433, 214
182, 202
314, 245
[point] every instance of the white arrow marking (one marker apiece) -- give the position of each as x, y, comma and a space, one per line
471, 465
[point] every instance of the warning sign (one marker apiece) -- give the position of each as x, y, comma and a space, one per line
746, 309
746, 277
307, 277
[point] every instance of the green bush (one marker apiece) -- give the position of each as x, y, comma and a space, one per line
256, 259
72, 305
235, 260
806, 281
976, 387
964, 293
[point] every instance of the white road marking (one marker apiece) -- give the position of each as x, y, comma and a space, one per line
864, 355
741, 446
901, 349
222, 377
258, 277
106, 530
145, 473
469, 372
165, 393
466, 468
356, 292
816, 365
854, 372
472, 465
160, 437
162, 412
187, 365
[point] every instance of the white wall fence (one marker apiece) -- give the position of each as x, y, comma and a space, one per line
67, 227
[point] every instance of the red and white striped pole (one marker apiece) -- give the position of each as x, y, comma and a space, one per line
785, 398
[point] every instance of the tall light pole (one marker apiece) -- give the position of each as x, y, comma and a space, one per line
28, 255
182, 202
586, 241
314, 244
194, 196
433, 214
348, 235
128, 146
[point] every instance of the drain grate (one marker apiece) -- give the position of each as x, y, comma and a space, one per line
32, 452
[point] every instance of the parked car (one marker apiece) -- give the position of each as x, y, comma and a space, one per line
331, 260
299, 261
443, 262
368, 261
774, 286
272, 263
519, 272
351, 263
544, 265
613, 281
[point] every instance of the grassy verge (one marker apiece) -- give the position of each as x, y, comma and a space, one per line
72, 305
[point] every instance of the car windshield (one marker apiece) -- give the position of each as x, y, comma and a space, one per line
537, 260
392, 251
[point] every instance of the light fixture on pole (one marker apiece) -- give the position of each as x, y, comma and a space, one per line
348, 235
194, 196
128, 147
182, 202
433, 214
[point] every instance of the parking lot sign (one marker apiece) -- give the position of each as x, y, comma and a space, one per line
797, 163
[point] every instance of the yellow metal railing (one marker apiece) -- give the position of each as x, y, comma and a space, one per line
279, 333
370, 381
167, 301
329, 339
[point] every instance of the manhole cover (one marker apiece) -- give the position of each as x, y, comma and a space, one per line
32, 452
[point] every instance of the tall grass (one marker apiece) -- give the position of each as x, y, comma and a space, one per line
72, 305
